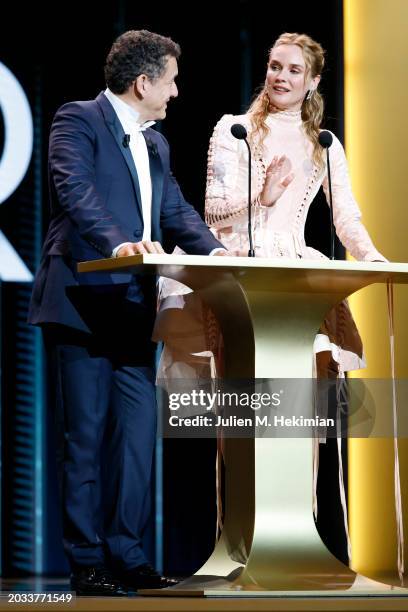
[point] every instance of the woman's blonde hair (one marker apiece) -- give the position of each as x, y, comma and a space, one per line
312, 108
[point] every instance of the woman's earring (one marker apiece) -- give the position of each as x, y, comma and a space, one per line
309, 94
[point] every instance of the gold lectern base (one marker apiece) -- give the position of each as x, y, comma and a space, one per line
216, 586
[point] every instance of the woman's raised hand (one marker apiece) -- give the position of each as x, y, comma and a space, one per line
275, 183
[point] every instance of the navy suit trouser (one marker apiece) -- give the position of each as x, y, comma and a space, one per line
105, 414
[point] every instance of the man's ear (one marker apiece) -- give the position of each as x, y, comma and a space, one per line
140, 85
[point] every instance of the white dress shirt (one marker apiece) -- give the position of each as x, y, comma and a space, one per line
129, 119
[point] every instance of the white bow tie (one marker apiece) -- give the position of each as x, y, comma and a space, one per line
144, 126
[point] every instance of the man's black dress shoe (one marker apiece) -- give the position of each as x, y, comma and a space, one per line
145, 577
96, 581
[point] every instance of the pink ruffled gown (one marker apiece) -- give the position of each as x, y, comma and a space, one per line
193, 343
278, 232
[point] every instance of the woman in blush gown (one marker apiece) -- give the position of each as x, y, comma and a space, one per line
288, 168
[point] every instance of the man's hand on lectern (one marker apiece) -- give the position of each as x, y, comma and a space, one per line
136, 248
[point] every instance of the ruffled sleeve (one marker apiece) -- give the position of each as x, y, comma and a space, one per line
346, 213
226, 198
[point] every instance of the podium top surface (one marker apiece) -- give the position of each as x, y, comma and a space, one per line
121, 264
287, 274
137, 262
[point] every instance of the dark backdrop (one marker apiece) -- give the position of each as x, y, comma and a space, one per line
57, 51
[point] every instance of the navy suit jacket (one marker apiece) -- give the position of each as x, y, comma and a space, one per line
95, 206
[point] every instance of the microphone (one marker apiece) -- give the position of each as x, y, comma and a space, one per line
126, 140
325, 141
239, 132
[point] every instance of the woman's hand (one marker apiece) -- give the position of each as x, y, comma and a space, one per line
275, 183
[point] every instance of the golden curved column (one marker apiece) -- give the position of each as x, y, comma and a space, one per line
376, 99
279, 312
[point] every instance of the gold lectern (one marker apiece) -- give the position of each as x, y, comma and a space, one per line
269, 311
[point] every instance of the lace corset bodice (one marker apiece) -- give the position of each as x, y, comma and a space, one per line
278, 229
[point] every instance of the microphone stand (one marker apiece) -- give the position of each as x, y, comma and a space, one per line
330, 206
251, 252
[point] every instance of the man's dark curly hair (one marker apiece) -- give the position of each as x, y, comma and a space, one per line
137, 52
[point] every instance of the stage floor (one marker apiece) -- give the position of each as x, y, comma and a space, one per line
290, 601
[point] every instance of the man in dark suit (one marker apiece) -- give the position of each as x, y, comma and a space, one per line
112, 194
